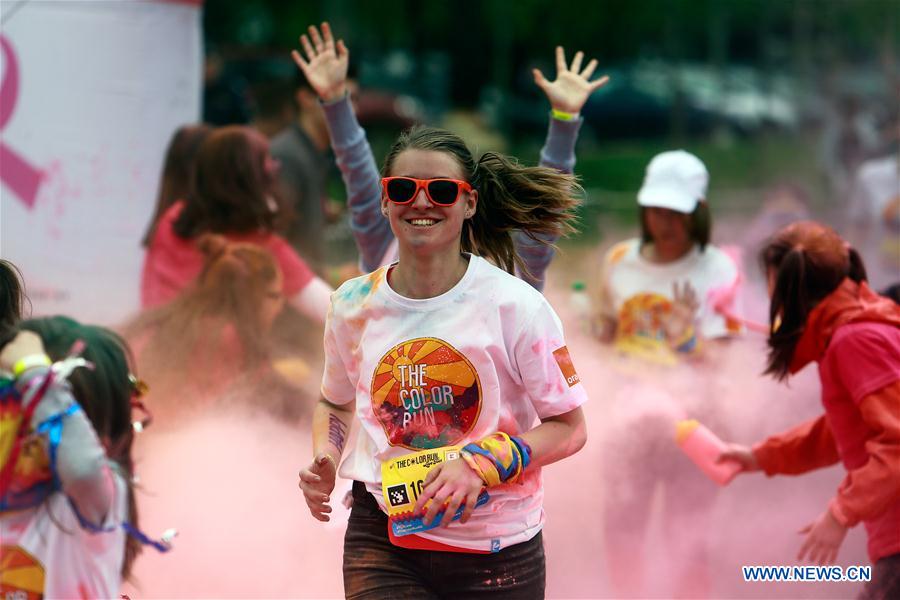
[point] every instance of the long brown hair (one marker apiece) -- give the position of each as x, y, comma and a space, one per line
808, 261
229, 292
178, 172
104, 393
537, 201
232, 191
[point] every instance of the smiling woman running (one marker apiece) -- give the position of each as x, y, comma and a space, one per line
443, 348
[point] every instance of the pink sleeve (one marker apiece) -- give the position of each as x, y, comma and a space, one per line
865, 358
295, 271
170, 263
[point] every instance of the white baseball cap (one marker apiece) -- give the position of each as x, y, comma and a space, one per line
676, 180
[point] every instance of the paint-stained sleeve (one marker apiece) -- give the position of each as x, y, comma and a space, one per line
806, 447
545, 365
337, 387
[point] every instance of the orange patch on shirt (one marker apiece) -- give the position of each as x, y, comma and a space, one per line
564, 361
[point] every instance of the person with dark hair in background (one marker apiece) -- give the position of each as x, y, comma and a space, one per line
653, 301
273, 108
215, 338
234, 196
673, 255
325, 68
178, 172
823, 311
69, 517
302, 148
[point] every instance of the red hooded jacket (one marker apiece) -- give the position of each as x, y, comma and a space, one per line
854, 336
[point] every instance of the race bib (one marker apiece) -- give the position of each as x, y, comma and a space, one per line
402, 482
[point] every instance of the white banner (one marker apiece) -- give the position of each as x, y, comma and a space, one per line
90, 93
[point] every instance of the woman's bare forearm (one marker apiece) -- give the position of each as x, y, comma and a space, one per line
331, 428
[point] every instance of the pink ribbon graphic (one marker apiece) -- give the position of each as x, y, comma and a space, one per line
22, 178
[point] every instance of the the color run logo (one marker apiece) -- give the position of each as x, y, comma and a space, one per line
17, 174
425, 394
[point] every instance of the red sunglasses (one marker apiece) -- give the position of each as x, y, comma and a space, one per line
442, 192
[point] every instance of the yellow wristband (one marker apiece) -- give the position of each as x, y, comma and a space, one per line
561, 115
29, 362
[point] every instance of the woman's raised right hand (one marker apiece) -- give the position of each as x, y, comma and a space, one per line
325, 66
317, 482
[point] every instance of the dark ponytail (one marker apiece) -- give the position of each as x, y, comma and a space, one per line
857, 269
538, 201
787, 312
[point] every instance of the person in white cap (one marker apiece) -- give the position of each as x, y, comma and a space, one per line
671, 272
656, 299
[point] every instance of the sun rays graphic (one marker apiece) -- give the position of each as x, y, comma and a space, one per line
448, 375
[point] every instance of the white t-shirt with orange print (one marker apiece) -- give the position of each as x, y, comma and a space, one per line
487, 355
638, 294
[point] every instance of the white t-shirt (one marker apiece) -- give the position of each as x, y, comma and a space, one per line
488, 355
46, 551
638, 294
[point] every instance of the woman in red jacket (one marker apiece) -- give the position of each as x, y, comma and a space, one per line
823, 310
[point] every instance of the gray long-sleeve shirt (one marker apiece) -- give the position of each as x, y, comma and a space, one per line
81, 463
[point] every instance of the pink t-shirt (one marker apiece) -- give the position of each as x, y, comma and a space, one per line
172, 262
861, 359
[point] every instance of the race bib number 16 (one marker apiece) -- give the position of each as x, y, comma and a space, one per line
403, 479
